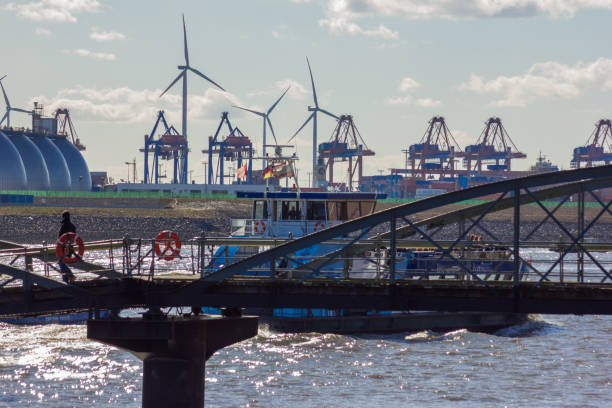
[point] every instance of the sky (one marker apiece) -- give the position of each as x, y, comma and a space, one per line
543, 66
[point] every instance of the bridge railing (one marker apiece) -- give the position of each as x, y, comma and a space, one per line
415, 260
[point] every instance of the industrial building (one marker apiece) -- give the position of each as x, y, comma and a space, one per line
45, 157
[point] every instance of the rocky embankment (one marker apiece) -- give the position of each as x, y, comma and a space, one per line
192, 217
189, 218
36, 229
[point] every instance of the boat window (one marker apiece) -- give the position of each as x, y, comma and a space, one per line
260, 210
367, 207
353, 209
290, 210
337, 211
315, 210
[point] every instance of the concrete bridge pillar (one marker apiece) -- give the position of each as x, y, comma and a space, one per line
174, 351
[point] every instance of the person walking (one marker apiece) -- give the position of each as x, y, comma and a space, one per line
67, 226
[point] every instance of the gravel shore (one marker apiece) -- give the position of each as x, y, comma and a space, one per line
191, 218
36, 229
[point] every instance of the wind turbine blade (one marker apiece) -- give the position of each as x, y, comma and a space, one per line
250, 110
314, 91
21, 110
3, 77
272, 129
301, 127
195, 71
173, 82
278, 100
185, 38
8, 104
328, 113
3, 118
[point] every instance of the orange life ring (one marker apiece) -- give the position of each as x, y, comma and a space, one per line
64, 249
260, 227
172, 245
318, 226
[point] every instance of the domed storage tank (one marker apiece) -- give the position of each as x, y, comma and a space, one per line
79, 172
12, 171
33, 161
59, 175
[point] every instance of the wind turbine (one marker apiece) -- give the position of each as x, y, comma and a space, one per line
183, 74
266, 118
9, 108
313, 116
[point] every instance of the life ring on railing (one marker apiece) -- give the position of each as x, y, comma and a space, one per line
64, 248
318, 226
171, 245
259, 227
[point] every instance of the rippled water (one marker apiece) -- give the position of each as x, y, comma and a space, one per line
549, 361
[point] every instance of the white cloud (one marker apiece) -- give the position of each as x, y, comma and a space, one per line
342, 25
351, 9
341, 16
101, 36
407, 85
462, 138
43, 32
94, 55
129, 105
544, 80
296, 91
427, 103
399, 100
53, 10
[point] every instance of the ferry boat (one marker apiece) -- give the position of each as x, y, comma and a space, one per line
292, 214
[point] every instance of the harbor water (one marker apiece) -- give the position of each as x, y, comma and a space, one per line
551, 360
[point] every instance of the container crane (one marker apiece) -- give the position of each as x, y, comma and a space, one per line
598, 148
235, 146
170, 145
494, 149
436, 152
346, 144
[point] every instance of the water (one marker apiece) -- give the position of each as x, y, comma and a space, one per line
548, 361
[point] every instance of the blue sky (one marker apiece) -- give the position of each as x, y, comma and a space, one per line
544, 67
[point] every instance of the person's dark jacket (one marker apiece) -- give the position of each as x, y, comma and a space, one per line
67, 226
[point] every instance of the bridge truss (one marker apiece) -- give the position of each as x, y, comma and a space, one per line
558, 212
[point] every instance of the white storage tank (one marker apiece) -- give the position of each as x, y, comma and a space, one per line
59, 175
12, 170
36, 170
79, 171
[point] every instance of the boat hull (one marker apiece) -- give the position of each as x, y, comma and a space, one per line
396, 322
78, 317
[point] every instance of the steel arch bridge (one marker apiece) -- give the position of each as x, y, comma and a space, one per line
531, 287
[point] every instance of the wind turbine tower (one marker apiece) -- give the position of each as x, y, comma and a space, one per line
183, 74
314, 109
9, 108
266, 119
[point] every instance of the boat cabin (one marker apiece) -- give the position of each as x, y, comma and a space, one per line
277, 214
